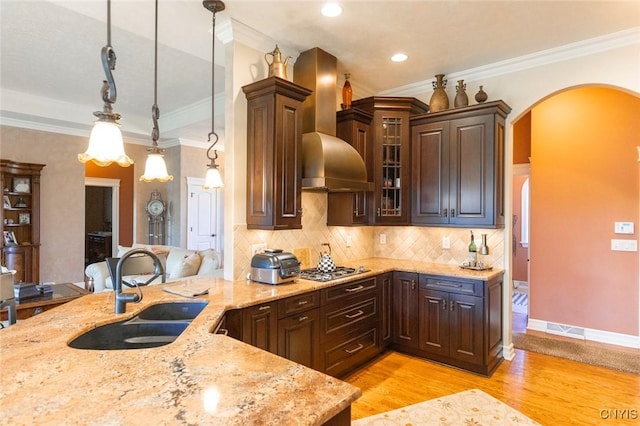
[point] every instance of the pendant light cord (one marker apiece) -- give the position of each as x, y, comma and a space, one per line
213, 6
155, 111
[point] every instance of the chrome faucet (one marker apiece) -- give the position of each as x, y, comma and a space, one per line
123, 298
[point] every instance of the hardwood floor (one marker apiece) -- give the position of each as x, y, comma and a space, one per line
549, 390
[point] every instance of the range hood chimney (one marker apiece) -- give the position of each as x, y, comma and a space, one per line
328, 163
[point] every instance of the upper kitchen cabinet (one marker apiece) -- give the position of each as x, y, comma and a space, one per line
351, 208
20, 219
458, 166
391, 133
274, 149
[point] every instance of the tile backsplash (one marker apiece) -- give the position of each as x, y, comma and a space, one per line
352, 243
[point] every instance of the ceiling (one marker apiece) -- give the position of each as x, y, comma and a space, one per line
50, 70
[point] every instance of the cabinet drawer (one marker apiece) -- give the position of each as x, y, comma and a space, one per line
346, 354
300, 303
338, 320
452, 285
348, 290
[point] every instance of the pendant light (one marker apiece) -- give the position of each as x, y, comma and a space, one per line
213, 178
155, 168
105, 143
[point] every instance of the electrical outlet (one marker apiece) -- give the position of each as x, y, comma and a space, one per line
258, 248
623, 227
349, 241
383, 238
446, 243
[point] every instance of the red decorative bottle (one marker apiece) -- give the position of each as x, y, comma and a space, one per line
347, 93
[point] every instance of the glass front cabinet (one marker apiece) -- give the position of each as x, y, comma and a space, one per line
391, 135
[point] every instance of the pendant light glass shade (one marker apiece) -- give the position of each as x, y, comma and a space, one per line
106, 146
155, 169
105, 143
213, 178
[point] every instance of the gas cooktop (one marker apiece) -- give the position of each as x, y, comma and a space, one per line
314, 274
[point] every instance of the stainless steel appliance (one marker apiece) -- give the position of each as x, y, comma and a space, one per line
274, 267
314, 274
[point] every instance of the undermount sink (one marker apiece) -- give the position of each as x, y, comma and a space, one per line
179, 311
157, 325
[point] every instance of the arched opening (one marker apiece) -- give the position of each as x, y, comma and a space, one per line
582, 143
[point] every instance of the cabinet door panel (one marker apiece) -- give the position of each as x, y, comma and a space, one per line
260, 325
430, 156
298, 339
405, 309
466, 321
471, 168
288, 161
387, 296
434, 322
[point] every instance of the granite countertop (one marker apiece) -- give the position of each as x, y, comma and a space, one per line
200, 378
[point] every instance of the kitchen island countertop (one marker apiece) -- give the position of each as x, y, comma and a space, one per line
200, 378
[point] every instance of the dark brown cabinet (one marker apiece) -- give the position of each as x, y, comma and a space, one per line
349, 208
391, 137
461, 322
458, 166
299, 329
350, 316
405, 310
385, 282
20, 219
260, 326
274, 148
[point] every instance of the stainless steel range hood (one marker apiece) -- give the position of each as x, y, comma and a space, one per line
328, 163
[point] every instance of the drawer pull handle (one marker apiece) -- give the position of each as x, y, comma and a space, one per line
354, 350
303, 318
351, 290
356, 315
303, 302
264, 308
445, 284
444, 305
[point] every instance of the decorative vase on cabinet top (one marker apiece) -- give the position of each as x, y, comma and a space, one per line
461, 98
481, 96
439, 100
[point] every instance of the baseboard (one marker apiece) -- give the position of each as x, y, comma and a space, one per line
582, 333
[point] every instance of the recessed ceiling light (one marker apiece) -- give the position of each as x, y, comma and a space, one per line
331, 9
399, 57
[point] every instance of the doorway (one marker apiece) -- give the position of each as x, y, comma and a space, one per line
101, 218
204, 217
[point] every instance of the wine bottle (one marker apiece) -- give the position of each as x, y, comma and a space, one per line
473, 252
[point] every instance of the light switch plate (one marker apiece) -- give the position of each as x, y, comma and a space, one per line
257, 248
623, 227
383, 238
624, 245
446, 243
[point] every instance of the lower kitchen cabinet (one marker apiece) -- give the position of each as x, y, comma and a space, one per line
385, 282
455, 321
461, 322
405, 310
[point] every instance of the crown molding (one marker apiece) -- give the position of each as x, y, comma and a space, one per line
538, 59
233, 30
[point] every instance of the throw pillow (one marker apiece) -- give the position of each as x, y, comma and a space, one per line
187, 267
175, 257
209, 263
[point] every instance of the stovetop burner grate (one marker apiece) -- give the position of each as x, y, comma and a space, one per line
314, 274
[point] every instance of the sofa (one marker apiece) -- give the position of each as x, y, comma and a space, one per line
178, 263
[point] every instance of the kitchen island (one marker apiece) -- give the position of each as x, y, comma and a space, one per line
200, 378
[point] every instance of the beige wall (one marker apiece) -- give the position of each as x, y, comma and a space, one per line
63, 195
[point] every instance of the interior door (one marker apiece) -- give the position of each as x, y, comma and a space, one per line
203, 217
